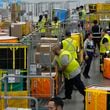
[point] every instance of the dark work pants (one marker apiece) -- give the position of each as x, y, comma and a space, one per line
87, 67
96, 42
102, 56
69, 86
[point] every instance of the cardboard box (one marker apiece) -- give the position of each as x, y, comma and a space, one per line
45, 47
16, 30
45, 57
49, 40
37, 57
20, 29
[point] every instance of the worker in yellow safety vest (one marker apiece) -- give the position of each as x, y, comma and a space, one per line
41, 25
69, 44
55, 27
47, 24
82, 16
104, 45
70, 68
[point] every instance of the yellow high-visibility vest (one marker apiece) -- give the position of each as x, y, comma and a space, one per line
41, 26
70, 45
103, 48
55, 28
72, 66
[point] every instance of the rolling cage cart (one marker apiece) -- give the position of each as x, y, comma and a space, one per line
44, 58
13, 61
39, 64
40, 88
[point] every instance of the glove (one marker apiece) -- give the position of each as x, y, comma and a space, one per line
86, 57
107, 53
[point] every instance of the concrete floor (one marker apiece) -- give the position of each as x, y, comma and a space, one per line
96, 78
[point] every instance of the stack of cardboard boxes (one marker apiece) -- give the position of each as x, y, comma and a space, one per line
20, 29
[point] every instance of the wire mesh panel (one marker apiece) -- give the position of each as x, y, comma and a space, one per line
13, 56
23, 98
13, 61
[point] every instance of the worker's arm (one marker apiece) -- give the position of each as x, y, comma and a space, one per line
106, 43
85, 47
64, 62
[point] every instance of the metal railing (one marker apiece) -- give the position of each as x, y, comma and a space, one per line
6, 97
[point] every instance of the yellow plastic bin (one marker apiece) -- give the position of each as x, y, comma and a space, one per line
77, 37
106, 69
97, 98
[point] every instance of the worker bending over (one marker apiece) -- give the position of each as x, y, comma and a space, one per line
70, 69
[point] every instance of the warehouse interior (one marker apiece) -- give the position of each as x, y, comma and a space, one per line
29, 32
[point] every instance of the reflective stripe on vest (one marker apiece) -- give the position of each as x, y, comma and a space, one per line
55, 28
83, 14
89, 50
41, 26
69, 44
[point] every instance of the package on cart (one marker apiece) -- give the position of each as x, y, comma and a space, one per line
3, 34
49, 40
20, 29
